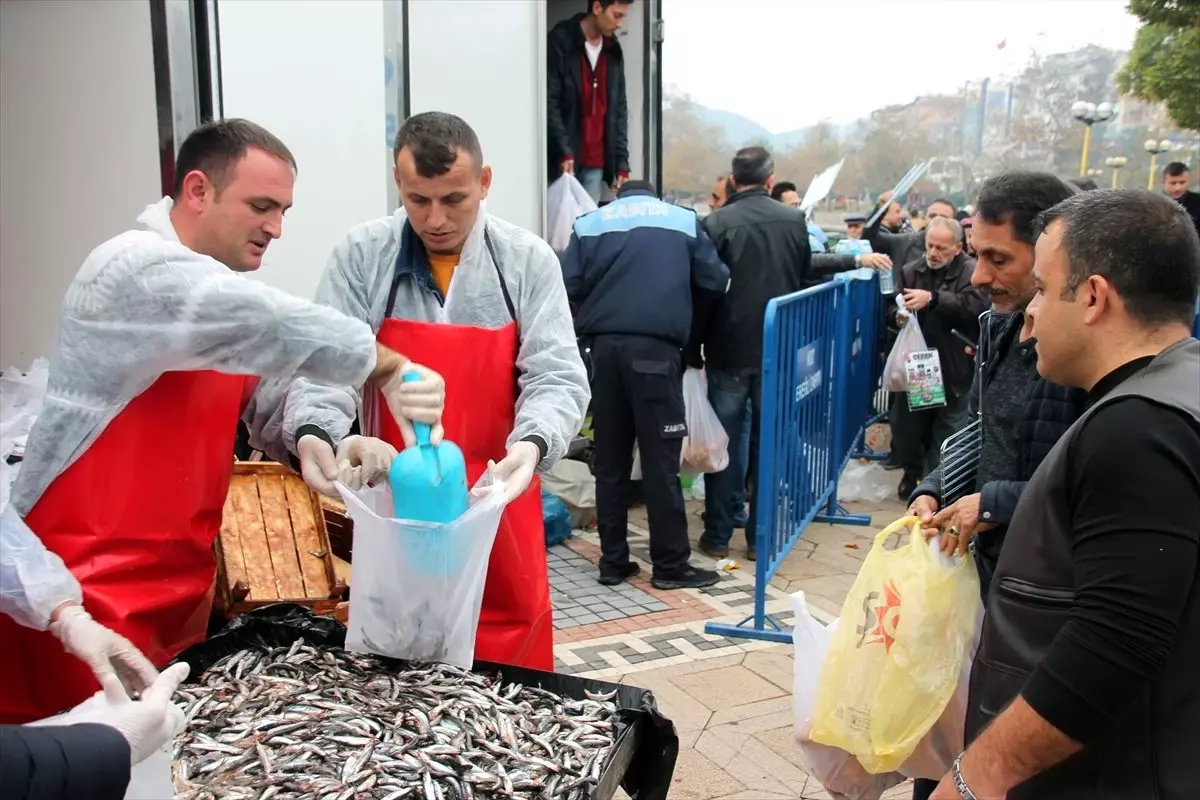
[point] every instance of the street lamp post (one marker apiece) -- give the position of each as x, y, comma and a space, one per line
1116, 164
1089, 114
1154, 148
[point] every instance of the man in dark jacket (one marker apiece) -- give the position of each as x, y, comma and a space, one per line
587, 113
1176, 178
765, 245
937, 290
1023, 415
90, 757
1084, 685
632, 268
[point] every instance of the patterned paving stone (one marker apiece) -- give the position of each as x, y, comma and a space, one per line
578, 599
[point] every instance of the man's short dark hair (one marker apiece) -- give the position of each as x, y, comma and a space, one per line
636, 186
752, 166
216, 147
604, 4
1084, 184
1016, 198
1143, 243
782, 188
1175, 169
435, 139
941, 201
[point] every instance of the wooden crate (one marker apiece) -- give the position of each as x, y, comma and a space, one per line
274, 546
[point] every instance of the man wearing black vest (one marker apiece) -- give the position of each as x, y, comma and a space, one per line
1085, 683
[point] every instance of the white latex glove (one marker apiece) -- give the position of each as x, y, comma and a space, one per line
420, 400
120, 667
149, 723
516, 470
363, 461
318, 464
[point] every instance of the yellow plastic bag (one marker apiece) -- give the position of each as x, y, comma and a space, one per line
894, 662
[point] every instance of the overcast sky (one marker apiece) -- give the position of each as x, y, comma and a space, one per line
790, 63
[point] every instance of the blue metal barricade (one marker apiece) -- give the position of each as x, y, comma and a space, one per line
817, 376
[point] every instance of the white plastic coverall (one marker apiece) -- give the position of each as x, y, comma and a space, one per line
33, 581
143, 304
554, 391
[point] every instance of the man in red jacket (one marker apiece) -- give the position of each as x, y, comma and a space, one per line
588, 116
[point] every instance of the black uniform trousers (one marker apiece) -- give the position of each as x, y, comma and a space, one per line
637, 394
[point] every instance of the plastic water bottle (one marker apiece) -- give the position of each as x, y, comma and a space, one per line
886, 286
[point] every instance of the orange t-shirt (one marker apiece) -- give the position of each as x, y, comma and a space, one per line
442, 267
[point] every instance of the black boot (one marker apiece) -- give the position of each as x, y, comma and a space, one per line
612, 579
687, 578
908, 485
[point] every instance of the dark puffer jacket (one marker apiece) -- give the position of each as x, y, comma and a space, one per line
1045, 415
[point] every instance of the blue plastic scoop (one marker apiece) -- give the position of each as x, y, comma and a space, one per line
429, 482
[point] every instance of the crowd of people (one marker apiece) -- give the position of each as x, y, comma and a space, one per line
1062, 319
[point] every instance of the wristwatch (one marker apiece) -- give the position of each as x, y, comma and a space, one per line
964, 791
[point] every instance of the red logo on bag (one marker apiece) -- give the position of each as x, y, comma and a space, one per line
881, 619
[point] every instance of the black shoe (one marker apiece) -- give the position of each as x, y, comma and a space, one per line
711, 550
611, 579
908, 485
687, 578
751, 553
890, 463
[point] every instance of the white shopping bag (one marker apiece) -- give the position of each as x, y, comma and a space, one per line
837, 770
910, 340
565, 201
150, 778
416, 587
706, 446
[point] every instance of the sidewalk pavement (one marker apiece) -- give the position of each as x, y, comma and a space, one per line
730, 698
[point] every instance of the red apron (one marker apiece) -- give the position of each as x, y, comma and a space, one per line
479, 365
134, 519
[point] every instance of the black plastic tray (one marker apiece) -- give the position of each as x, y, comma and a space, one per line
642, 761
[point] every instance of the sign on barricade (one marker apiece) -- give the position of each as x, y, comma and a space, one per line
819, 372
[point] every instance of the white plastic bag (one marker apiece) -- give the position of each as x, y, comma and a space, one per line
573, 483
706, 446
21, 397
566, 200
150, 778
417, 587
910, 340
837, 770
866, 481
841, 772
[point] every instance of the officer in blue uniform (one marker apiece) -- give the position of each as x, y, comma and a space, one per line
636, 270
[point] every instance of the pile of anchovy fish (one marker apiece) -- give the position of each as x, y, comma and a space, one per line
323, 724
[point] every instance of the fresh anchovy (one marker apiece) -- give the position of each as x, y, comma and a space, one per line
300, 722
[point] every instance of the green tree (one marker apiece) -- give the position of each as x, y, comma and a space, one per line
1164, 65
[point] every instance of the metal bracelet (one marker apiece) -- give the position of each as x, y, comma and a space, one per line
964, 791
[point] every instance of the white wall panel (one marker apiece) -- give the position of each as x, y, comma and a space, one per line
312, 73
484, 61
78, 150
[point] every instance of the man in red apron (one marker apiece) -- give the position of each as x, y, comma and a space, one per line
127, 468
482, 302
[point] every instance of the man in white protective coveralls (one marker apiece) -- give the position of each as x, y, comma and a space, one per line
127, 468
482, 302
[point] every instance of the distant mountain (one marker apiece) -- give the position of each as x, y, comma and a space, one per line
741, 131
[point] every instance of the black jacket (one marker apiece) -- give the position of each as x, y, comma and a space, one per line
902, 248
67, 762
765, 245
1049, 410
955, 305
565, 50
